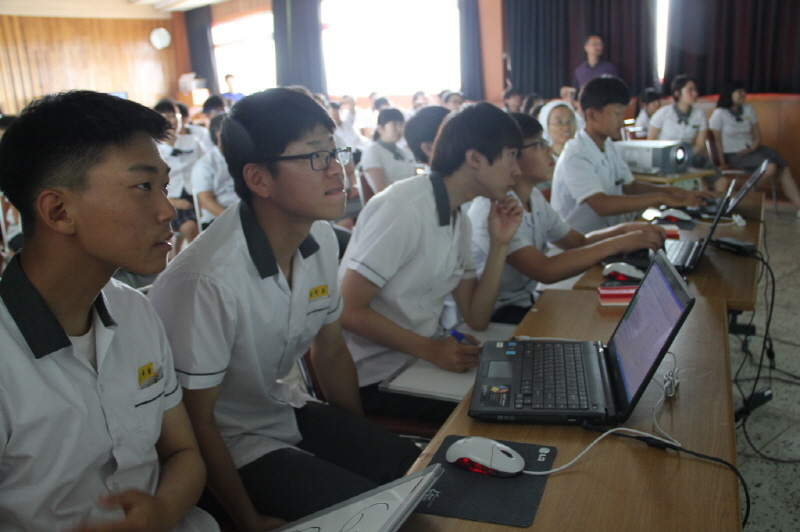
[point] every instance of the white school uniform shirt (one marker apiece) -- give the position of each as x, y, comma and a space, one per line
180, 164
233, 320
666, 120
736, 135
643, 121
70, 433
376, 156
538, 227
211, 173
202, 135
583, 171
407, 243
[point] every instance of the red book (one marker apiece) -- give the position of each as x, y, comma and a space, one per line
615, 295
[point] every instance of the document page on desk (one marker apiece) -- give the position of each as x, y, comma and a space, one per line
425, 379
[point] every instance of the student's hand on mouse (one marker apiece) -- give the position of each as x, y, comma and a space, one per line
451, 355
645, 227
504, 219
630, 242
143, 513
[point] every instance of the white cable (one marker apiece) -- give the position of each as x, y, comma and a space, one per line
617, 429
671, 382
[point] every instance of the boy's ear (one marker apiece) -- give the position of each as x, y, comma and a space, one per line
259, 179
52, 207
474, 159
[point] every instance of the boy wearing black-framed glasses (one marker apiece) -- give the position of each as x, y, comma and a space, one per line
248, 298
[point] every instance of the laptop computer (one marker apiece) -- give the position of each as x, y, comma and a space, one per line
713, 204
383, 509
547, 381
683, 254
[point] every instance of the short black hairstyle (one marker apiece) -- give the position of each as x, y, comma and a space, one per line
261, 125
215, 126
678, 83
167, 106
183, 109
57, 139
509, 92
379, 102
422, 127
604, 90
648, 95
481, 127
6, 121
529, 126
212, 103
386, 115
726, 94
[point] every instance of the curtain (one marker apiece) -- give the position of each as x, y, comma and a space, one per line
298, 44
471, 57
537, 37
628, 29
755, 41
545, 41
201, 47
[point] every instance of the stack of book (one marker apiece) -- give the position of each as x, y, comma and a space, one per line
616, 293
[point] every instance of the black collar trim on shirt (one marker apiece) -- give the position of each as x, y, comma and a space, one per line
258, 245
37, 323
441, 197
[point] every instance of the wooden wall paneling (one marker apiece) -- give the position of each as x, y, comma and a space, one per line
41, 55
232, 9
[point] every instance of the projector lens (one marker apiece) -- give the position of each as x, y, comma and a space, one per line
680, 156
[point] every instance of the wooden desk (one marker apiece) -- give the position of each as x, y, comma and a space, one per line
719, 273
621, 484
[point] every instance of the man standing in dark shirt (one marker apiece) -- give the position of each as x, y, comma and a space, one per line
594, 66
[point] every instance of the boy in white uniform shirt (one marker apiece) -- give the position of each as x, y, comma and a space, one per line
93, 434
527, 263
411, 249
211, 180
249, 297
593, 188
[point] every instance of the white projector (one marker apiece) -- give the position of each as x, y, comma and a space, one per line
655, 156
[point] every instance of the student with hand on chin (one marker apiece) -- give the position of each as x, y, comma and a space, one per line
93, 435
593, 188
252, 295
527, 262
411, 249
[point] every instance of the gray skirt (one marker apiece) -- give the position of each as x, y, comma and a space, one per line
753, 160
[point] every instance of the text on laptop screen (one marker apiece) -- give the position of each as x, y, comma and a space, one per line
645, 328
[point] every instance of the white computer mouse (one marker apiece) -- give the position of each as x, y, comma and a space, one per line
485, 456
677, 214
622, 271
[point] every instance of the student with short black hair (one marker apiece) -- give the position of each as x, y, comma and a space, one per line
593, 188
411, 249
252, 295
421, 129
385, 162
93, 435
649, 103
512, 100
211, 180
180, 152
527, 262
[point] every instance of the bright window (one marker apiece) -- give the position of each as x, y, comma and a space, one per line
662, 19
245, 47
391, 47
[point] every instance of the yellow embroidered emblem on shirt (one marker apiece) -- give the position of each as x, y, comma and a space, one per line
318, 291
145, 372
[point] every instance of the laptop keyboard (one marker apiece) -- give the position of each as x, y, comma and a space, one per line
552, 377
679, 251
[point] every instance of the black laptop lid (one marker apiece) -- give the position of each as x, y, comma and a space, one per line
645, 332
751, 182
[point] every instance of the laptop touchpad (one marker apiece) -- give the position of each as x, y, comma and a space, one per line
500, 370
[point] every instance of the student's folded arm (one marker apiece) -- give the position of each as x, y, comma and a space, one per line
223, 477
359, 318
335, 368
208, 201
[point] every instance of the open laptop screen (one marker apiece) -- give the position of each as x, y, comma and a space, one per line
646, 327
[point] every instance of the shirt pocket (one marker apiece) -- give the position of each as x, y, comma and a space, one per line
148, 404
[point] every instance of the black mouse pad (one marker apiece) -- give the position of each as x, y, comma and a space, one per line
504, 501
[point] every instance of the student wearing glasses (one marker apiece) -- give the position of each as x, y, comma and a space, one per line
527, 262
247, 299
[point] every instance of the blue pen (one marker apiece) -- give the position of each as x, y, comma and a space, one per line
458, 335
